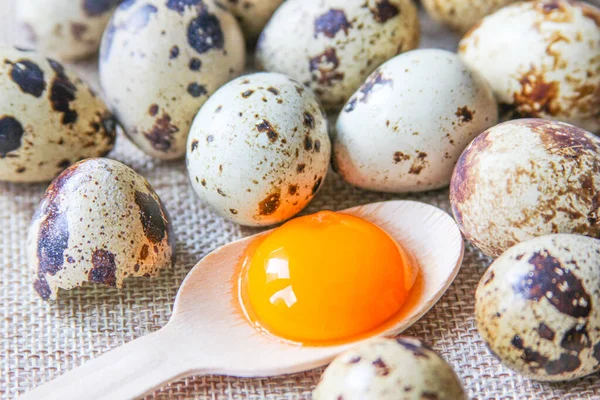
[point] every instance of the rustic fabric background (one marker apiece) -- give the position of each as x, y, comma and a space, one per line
39, 341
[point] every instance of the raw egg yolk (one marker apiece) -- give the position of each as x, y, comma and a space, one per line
325, 277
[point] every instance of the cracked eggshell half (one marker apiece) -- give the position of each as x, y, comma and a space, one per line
389, 369
538, 307
547, 65
98, 222
66, 29
406, 126
527, 178
461, 15
159, 62
50, 118
258, 150
252, 15
331, 46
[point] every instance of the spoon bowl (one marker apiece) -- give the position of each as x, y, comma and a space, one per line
208, 333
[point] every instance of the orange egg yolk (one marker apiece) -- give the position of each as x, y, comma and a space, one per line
323, 278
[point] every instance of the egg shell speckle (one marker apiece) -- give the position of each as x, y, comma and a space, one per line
252, 15
461, 15
160, 61
50, 118
258, 150
386, 369
538, 307
547, 65
332, 46
66, 29
527, 178
406, 126
99, 222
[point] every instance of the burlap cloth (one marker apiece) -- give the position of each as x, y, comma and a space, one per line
39, 340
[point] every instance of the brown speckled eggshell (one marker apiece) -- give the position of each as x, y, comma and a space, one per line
252, 15
99, 222
460, 15
538, 307
527, 178
389, 369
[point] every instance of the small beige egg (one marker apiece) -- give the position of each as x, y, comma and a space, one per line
258, 150
542, 59
252, 15
389, 369
332, 46
406, 126
461, 15
538, 307
527, 178
98, 222
50, 118
160, 61
66, 29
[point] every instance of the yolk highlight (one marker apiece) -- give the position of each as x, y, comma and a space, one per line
325, 277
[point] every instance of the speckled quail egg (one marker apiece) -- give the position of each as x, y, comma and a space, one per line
66, 29
253, 15
538, 307
386, 369
461, 15
547, 65
258, 150
333, 45
526, 178
406, 126
159, 62
50, 118
98, 222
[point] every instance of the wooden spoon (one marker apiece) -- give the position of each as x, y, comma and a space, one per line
207, 334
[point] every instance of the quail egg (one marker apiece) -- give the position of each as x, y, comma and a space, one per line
461, 15
382, 369
526, 178
538, 307
99, 222
66, 29
542, 59
333, 45
50, 118
258, 150
159, 62
253, 15
406, 126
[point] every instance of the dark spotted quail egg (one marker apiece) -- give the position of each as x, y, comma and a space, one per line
461, 15
526, 178
547, 65
258, 150
98, 222
159, 62
66, 29
538, 307
405, 127
386, 369
333, 45
50, 118
253, 15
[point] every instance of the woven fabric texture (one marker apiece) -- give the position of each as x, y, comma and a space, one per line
40, 341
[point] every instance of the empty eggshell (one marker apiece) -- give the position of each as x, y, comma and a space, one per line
258, 150
50, 118
252, 15
159, 62
538, 307
386, 369
461, 15
542, 59
406, 126
99, 222
66, 29
527, 178
333, 45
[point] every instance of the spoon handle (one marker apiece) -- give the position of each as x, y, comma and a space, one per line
127, 372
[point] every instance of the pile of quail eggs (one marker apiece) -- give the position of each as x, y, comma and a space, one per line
258, 148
